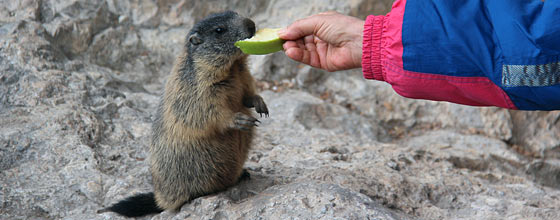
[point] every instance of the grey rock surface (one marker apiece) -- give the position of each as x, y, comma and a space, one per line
80, 81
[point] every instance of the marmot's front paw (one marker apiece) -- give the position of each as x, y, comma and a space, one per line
244, 122
257, 102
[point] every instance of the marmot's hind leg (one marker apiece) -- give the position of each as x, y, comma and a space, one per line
245, 175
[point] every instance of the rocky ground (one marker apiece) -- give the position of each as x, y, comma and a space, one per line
80, 81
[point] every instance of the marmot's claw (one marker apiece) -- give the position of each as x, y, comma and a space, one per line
244, 122
257, 102
260, 106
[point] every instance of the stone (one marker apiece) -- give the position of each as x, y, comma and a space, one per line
537, 134
80, 82
472, 152
305, 200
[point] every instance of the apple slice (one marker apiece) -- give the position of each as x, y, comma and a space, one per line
265, 41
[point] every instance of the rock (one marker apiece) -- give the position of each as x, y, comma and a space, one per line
74, 24
80, 82
305, 200
537, 134
546, 172
277, 67
11, 11
472, 152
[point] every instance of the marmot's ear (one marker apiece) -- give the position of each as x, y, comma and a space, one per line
195, 39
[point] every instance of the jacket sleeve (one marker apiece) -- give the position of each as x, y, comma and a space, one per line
483, 53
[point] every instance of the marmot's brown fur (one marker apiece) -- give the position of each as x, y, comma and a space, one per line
203, 127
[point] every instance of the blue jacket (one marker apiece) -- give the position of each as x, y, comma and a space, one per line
477, 52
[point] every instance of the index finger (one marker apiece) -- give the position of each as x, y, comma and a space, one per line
301, 28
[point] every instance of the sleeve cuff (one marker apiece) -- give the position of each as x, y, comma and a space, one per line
371, 48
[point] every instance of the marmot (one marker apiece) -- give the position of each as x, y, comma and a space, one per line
203, 127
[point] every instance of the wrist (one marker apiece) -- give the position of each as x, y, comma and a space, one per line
357, 47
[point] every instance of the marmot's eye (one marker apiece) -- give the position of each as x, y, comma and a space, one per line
220, 30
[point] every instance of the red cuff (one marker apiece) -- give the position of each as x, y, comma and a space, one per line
371, 48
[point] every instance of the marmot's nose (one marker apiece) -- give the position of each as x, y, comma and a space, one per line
250, 25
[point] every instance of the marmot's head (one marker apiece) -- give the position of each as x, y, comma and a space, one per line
213, 38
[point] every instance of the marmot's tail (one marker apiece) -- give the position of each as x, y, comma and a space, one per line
135, 206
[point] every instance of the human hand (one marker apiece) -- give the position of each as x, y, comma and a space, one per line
328, 40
